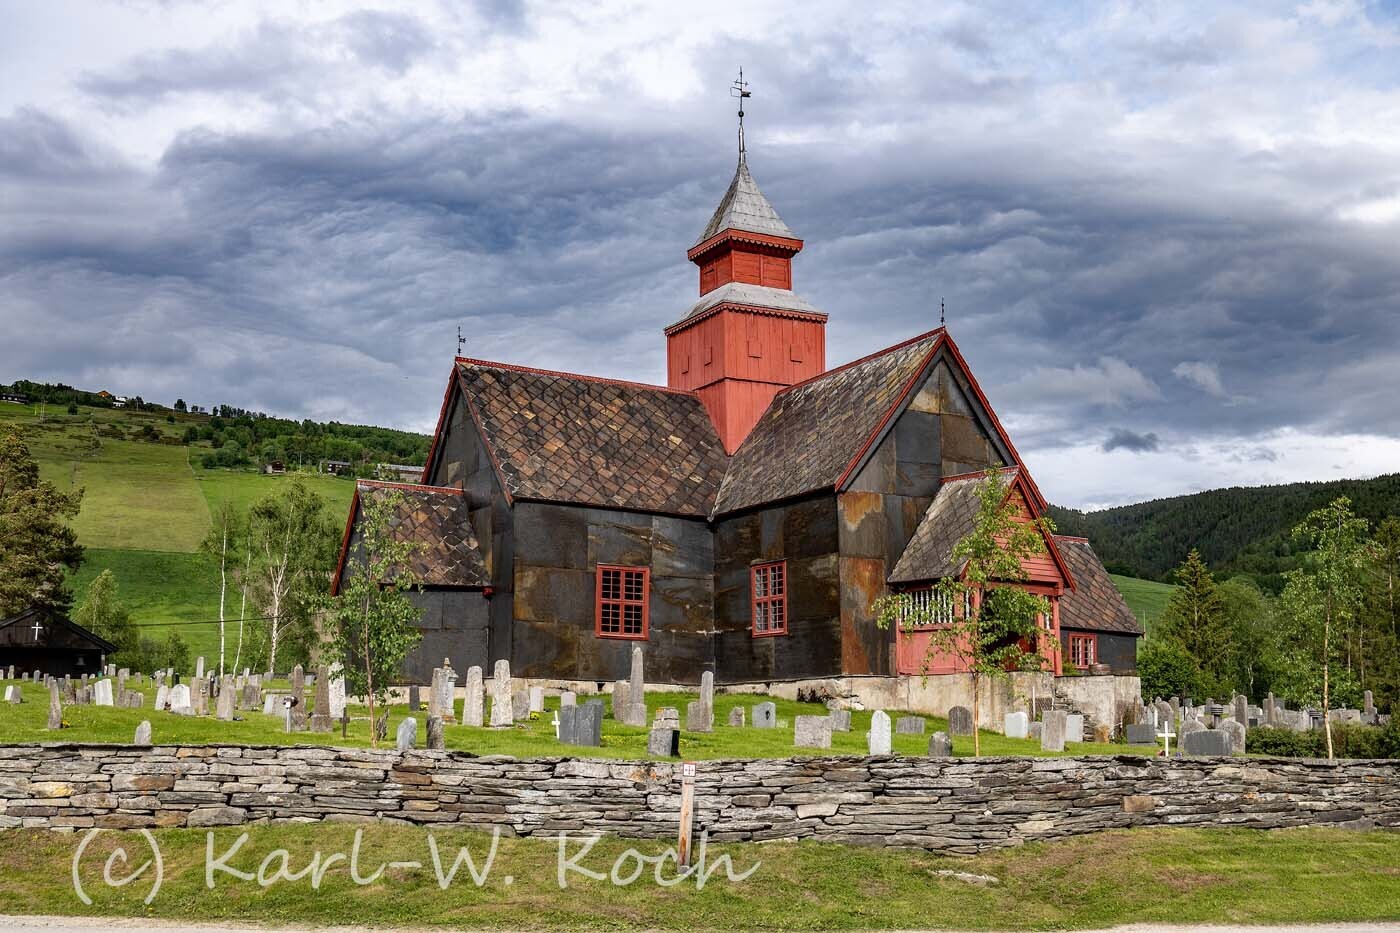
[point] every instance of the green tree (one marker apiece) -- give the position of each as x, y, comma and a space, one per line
1166, 670
982, 618
1251, 638
1323, 597
1195, 614
37, 546
180, 404
103, 613
371, 618
293, 551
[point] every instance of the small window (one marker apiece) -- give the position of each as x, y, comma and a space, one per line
770, 599
622, 601
1083, 650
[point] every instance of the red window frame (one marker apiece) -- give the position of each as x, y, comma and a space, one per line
1083, 650
621, 598
768, 597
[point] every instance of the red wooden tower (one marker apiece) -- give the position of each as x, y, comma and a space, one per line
748, 336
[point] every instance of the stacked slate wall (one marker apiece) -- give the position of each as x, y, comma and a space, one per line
950, 805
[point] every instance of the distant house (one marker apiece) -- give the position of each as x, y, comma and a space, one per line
105, 394
51, 645
275, 467
119, 401
338, 467
399, 472
15, 397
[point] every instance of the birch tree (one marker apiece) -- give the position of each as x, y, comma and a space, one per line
293, 545
222, 544
982, 618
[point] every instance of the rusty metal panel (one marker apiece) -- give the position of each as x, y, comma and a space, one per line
682, 548
862, 524
865, 648
965, 442
878, 474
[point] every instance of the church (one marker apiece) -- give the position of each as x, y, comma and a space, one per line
741, 519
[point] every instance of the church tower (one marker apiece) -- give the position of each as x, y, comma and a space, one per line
749, 335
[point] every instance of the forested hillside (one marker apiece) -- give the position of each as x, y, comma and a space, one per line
1240, 530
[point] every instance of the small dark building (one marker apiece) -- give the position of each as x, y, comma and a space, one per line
1096, 625
52, 645
16, 397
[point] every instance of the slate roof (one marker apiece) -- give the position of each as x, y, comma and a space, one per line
744, 207
559, 437
812, 431
24, 620
758, 296
1095, 605
435, 518
949, 518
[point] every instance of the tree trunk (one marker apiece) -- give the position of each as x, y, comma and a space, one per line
223, 589
369, 688
1326, 684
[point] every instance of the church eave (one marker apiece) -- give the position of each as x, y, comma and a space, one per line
791, 245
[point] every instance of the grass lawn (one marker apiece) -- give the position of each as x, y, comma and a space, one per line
1147, 598
162, 587
1170, 876
243, 488
534, 739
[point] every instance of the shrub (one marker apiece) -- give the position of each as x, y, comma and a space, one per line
1347, 742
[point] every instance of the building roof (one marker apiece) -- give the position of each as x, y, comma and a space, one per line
1095, 605
949, 518
753, 296
436, 519
813, 431
744, 207
72, 630
561, 437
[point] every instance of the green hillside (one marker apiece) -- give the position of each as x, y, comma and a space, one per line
147, 505
1147, 598
1239, 531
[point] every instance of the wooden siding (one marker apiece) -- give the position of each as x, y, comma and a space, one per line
746, 263
559, 548
804, 534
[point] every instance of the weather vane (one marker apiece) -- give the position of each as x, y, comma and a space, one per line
740, 90
461, 341
942, 314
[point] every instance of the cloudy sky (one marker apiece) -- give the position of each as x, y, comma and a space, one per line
1168, 238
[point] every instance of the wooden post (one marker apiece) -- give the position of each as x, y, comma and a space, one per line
687, 812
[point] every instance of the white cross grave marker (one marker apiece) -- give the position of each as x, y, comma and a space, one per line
1167, 735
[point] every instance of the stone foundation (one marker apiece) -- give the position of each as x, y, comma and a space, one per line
951, 805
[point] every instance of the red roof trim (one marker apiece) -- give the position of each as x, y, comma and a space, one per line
1039, 499
1072, 539
345, 541
816, 317
489, 364
959, 477
898, 402
864, 359
441, 422
744, 236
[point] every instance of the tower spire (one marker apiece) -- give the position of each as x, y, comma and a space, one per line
740, 90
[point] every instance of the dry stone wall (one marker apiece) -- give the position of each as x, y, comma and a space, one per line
954, 805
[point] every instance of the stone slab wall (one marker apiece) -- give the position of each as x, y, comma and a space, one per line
953, 805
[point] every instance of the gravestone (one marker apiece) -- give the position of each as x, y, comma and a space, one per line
407, 734
736, 717
567, 698
635, 713
619, 700
840, 720
435, 693
940, 745
581, 725
1206, 742
1052, 737
143, 733
1189, 726
812, 732
878, 738
699, 717
909, 725
1141, 734
1237, 733
199, 667
501, 712
11, 675
667, 717
1164, 713
102, 693
1035, 730
298, 710
1242, 711
436, 741
162, 696
1074, 728
274, 704
250, 697
338, 699
321, 720
1016, 725
199, 695
960, 721
55, 708
1368, 704
12, 695
223, 705
536, 700
180, 701
474, 703
415, 698
765, 716
664, 743
520, 705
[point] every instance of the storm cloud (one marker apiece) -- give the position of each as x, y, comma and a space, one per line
1182, 221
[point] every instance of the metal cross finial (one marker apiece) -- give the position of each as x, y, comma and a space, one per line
461, 341
740, 90
942, 314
